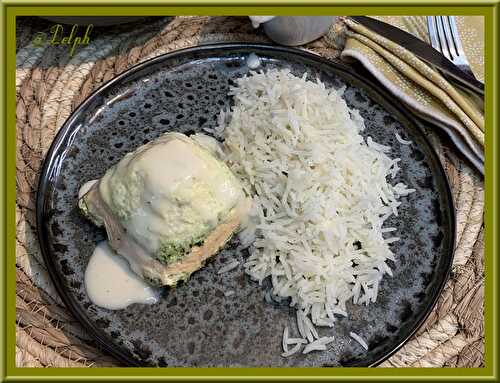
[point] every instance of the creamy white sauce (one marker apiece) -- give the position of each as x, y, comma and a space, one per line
85, 188
183, 190
253, 61
111, 284
257, 20
209, 143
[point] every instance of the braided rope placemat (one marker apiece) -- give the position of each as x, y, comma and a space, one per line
50, 84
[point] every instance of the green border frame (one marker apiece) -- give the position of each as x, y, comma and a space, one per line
12, 8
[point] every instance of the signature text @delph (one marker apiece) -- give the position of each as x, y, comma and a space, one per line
59, 36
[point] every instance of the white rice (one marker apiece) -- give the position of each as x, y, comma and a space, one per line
230, 266
285, 340
314, 346
318, 345
295, 341
401, 140
358, 339
295, 349
320, 196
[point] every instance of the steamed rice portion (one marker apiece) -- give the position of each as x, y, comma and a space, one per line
321, 193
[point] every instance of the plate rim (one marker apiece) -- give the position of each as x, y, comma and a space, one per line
67, 128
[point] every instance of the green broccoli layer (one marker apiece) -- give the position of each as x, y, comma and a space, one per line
84, 209
171, 252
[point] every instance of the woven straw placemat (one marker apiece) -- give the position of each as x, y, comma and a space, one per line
50, 84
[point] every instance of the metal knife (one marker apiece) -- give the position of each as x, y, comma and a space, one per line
423, 51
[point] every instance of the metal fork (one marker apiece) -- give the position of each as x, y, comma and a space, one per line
444, 36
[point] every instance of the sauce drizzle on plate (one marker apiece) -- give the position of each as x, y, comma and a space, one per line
111, 284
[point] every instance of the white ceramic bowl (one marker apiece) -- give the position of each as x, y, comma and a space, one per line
297, 30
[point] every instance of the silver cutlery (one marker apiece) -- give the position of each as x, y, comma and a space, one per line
445, 38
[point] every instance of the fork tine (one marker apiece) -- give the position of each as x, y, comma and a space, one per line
449, 38
456, 35
431, 24
442, 40
443, 33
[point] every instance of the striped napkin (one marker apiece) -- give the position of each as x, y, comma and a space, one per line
420, 86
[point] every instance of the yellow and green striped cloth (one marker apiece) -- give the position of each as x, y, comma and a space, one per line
421, 87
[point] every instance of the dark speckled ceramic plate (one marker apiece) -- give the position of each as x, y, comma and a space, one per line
196, 324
